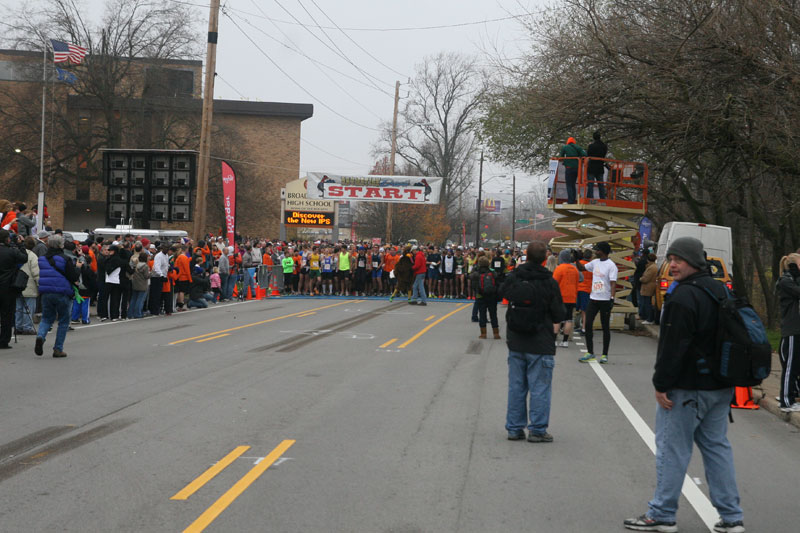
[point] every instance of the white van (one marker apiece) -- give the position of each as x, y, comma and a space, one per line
716, 240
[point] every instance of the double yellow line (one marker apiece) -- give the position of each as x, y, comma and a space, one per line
217, 334
210, 514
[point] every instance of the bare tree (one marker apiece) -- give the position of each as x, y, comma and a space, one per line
438, 121
121, 81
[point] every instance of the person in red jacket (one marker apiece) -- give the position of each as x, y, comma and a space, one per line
418, 296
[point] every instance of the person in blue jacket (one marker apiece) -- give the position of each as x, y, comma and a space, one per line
57, 281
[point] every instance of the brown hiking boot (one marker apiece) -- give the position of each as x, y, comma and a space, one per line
496, 332
59, 353
483, 333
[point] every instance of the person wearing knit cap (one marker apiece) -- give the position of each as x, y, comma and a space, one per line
571, 150
693, 406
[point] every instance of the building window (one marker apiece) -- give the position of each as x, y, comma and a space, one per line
169, 82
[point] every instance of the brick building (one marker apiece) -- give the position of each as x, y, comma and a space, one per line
154, 106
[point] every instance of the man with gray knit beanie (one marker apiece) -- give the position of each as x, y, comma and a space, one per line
692, 406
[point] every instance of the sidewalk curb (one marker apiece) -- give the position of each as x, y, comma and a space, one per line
763, 396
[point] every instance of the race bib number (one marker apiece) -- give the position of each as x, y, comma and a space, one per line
314, 264
459, 270
375, 264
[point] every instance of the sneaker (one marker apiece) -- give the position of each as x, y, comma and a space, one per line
59, 353
588, 358
104, 319
582, 332
391, 298
794, 408
75, 321
729, 527
38, 348
516, 435
603, 359
565, 344
422, 303
540, 437
645, 523
412, 302
647, 323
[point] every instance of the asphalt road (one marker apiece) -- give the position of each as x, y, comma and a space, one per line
300, 415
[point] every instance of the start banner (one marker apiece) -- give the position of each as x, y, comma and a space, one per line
229, 201
397, 189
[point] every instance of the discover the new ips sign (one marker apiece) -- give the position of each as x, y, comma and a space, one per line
307, 218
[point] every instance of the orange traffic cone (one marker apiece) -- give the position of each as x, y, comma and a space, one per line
261, 293
235, 292
743, 398
273, 290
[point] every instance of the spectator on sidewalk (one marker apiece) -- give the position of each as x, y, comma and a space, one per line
11, 257
788, 289
693, 406
57, 279
648, 284
26, 302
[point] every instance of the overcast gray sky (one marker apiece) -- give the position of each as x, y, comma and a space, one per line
347, 108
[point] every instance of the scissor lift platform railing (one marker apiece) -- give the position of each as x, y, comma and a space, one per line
613, 219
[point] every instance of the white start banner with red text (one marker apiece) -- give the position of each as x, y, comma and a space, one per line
397, 189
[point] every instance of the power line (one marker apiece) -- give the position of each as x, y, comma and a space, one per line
318, 63
406, 28
333, 155
355, 43
299, 85
345, 91
338, 51
301, 138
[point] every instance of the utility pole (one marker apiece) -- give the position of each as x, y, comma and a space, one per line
480, 186
391, 160
205, 125
513, 209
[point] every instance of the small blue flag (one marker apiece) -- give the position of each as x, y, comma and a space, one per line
66, 76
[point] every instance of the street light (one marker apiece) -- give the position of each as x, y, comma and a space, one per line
18, 150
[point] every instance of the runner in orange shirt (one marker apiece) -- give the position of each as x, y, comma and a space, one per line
568, 278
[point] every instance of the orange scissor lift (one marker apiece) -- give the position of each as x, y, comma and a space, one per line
613, 219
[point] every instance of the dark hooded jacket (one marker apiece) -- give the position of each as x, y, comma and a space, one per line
403, 271
688, 332
788, 290
548, 295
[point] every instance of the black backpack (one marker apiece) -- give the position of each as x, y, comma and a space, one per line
527, 306
488, 285
743, 355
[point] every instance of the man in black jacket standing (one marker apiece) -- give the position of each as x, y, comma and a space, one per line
10, 259
693, 407
595, 169
534, 306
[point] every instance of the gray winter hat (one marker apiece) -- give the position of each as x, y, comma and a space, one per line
689, 249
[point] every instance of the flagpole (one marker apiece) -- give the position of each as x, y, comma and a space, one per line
40, 214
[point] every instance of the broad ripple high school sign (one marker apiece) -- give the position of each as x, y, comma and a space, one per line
295, 199
397, 189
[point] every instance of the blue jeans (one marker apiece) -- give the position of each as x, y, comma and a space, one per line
249, 281
228, 290
223, 286
700, 417
646, 308
418, 289
529, 373
591, 178
55, 305
23, 318
202, 304
80, 311
571, 179
136, 304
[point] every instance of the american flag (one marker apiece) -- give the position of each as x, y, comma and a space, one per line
67, 52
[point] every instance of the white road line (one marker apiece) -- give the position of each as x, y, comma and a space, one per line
707, 513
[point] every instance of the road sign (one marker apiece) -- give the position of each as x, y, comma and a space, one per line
483, 235
523, 221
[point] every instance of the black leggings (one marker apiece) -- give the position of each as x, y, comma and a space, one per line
604, 308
